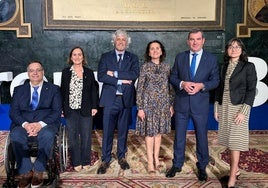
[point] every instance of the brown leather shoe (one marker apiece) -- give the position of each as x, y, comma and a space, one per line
37, 180
25, 180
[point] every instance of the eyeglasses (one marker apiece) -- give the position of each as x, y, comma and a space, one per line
234, 47
35, 70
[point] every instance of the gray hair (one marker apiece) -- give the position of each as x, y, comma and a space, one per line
123, 33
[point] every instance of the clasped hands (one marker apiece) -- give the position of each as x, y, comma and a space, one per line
191, 87
111, 73
33, 128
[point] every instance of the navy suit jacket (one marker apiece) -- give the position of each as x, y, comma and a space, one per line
129, 71
48, 110
207, 73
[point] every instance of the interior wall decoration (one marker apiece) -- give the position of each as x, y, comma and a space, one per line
157, 15
12, 18
255, 17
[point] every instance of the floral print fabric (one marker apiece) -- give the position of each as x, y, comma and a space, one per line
75, 95
154, 96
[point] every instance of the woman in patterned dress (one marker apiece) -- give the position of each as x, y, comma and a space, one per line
234, 99
80, 99
154, 102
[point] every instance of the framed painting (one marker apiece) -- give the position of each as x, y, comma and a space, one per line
255, 17
134, 14
12, 18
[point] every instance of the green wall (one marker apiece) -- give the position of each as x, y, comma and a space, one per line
52, 47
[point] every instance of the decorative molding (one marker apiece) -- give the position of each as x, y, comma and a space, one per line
161, 16
251, 20
16, 20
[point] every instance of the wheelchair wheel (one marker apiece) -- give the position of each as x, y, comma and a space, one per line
6, 154
53, 167
63, 148
10, 164
55, 182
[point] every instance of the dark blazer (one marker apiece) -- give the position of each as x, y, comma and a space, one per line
129, 71
207, 73
242, 84
48, 110
90, 96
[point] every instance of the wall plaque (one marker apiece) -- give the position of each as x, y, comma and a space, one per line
134, 14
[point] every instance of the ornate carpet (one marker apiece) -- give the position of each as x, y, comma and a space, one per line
254, 165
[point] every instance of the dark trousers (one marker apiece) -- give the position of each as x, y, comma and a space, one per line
19, 139
200, 125
114, 115
79, 130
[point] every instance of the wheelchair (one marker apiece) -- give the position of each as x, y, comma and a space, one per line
56, 163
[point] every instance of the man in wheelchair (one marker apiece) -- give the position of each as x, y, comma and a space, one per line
35, 112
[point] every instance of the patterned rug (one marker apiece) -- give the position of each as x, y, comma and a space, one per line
253, 165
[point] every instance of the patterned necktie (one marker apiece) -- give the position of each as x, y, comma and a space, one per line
34, 102
192, 67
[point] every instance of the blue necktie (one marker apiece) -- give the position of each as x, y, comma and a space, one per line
34, 102
119, 87
192, 67
120, 60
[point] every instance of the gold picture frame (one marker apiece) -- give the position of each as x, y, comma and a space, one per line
93, 15
13, 19
253, 17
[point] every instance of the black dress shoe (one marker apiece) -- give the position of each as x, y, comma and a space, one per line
123, 164
103, 167
202, 175
172, 172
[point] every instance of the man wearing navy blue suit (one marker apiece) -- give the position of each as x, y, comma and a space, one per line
192, 100
118, 69
35, 111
